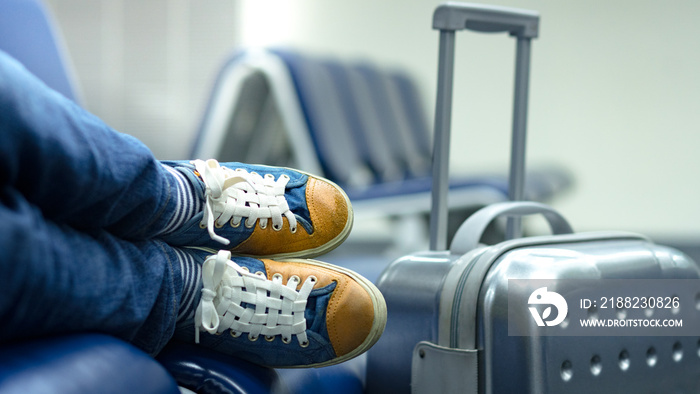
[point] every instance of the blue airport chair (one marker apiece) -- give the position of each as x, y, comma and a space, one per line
29, 34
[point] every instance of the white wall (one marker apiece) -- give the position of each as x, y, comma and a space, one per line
615, 89
146, 67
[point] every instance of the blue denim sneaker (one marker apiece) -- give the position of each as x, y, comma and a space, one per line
256, 210
296, 313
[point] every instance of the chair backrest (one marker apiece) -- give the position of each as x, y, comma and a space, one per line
28, 33
361, 126
357, 124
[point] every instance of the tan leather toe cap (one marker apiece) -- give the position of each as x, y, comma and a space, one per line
329, 209
349, 318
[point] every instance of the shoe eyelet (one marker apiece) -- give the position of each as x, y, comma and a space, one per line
277, 276
293, 230
304, 344
269, 338
284, 176
247, 225
202, 225
218, 225
234, 224
253, 339
295, 278
234, 334
260, 273
218, 333
276, 227
269, 176
263, 226
286, 341
246, 269
312, 279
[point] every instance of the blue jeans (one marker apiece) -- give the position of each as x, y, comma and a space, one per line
79, 206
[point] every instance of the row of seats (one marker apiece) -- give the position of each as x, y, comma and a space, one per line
360, 125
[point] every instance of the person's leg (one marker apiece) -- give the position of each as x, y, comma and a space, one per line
73, 166
81, 172
57, 280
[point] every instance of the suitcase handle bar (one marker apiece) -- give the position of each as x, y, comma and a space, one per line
470, 232
448, 18
486, 19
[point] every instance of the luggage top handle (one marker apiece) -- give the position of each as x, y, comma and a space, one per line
469, 234
448, 18
486, 19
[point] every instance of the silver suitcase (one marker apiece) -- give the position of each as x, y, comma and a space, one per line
603, 312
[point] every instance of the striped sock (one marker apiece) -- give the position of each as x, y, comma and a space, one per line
188, 201
191, 268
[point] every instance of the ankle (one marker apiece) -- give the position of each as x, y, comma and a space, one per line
187, 202
191, 273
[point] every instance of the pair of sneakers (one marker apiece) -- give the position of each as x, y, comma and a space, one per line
263, 298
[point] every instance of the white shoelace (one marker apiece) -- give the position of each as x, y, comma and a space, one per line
279, 309
234, 195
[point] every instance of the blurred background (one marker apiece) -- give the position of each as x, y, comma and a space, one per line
614, 89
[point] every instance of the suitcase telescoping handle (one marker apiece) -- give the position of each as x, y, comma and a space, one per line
448, 18
470, 232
